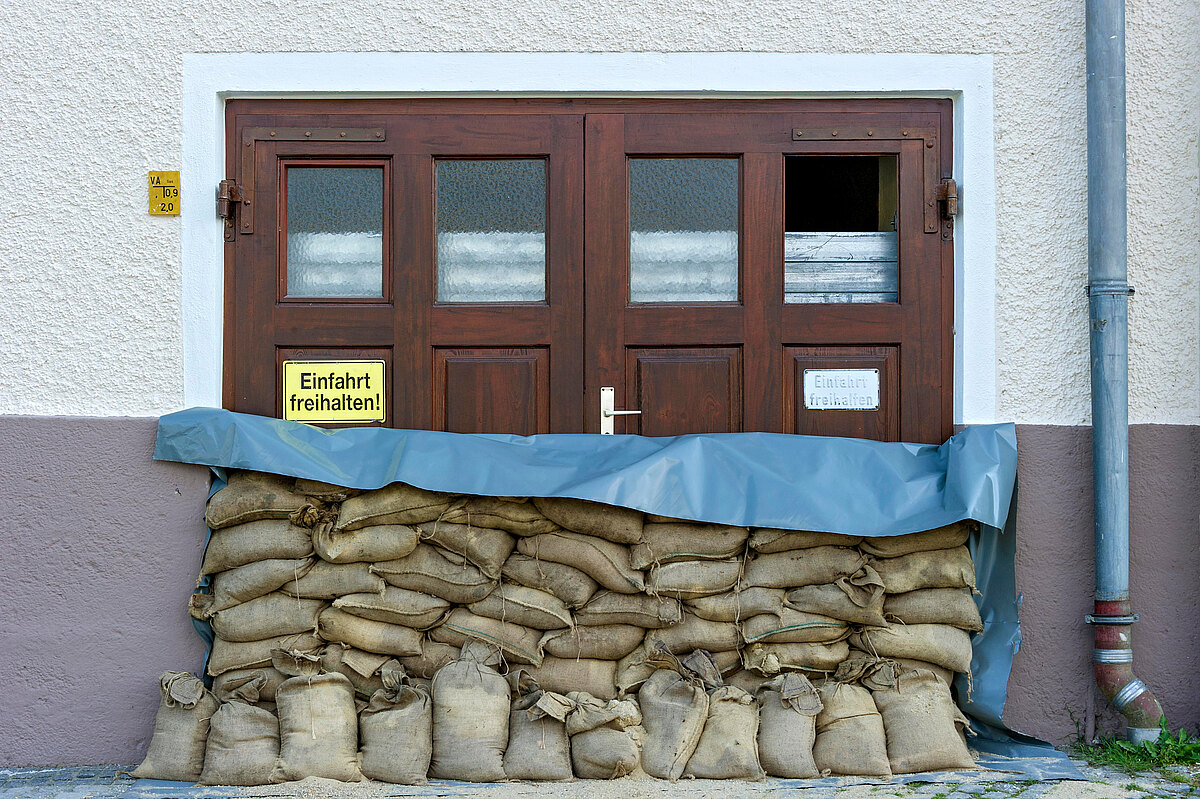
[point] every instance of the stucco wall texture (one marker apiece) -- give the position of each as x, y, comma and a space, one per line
93, 600
92, 94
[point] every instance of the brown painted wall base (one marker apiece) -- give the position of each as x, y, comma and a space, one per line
1051, 682
103, 545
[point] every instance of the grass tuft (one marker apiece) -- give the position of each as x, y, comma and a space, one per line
1178, 749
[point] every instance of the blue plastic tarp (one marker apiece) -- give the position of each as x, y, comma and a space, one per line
840, 485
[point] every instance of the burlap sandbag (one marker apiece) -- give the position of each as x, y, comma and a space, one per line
850, 738
470, 723
857, 598
396, 730
747, 680
953, 606
906, 664
520, 644
224, 685
268, 539
605, 642
693, 632
251, 496
788, 726
228, 655
332, 580
373, 636
771, 659
268, 616
318, 729
360, 667
601, 746
610, 522
434, 655
632, 671
180, 729
793, 627
435, 571
567, 583
368, 544
796, 567
538, 747
738, 605
892, 546
243, 739
941, 644
942, 568
483, 546
674, 708
923, 725
607, 563
769, 539
728, 748
394, 504
510, 514
528, 607
243, 583
668, 543
639, 610
327, 492
597, 677
691, 579
396, 606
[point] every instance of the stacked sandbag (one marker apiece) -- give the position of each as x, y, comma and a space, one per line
243, 737
180, 729
602, 746
318, 721
396, 730
586, 600
538, 747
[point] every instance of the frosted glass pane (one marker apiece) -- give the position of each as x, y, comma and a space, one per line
335, 232
683, 229
491, 231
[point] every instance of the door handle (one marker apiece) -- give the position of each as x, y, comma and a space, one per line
607, 412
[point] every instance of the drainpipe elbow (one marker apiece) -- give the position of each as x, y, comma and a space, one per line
1113, 665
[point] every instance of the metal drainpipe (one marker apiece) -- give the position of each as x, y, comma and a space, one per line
1108, 292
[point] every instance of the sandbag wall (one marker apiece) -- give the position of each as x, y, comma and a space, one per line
410, 619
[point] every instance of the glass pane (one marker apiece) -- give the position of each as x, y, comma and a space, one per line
840, 240
491, 231
683, 229
335, 231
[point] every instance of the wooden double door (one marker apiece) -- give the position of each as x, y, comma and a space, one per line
506, 259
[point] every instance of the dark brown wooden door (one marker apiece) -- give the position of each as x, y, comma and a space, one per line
509, 258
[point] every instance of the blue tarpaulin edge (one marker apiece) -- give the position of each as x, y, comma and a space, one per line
843, 485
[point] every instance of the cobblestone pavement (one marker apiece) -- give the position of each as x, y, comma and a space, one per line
110, 782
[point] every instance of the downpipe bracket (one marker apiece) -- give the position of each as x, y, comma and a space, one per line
1117, 288
1096, 618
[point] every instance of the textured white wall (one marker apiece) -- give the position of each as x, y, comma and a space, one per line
91, 97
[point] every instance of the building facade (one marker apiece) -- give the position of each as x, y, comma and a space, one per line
114, 316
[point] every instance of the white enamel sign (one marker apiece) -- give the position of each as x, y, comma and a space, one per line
841, 389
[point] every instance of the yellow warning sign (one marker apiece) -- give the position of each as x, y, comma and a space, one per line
164, 193
333, 391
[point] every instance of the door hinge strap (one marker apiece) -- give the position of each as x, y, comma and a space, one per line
229, 195
948, 197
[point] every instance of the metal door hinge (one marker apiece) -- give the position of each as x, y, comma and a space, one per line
229, 194
948, 196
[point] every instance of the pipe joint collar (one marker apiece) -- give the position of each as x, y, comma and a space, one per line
1130, 692
1111, 656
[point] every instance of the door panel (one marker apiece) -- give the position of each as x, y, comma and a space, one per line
492, 390
882, 424
681, 391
